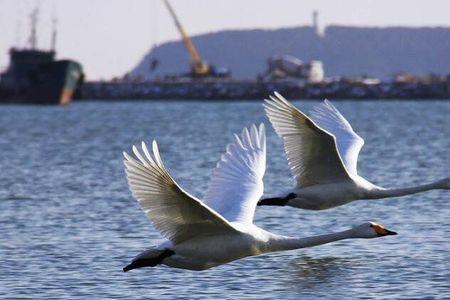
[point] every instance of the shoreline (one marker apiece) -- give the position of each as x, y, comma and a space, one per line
232, 90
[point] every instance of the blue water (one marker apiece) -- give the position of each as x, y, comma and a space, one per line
68, 224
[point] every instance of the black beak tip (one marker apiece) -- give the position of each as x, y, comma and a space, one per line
391, 232
127, 268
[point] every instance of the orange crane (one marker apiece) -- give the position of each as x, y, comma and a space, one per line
199, 67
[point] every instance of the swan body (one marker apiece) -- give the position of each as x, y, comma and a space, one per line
329, 195
322, 152
219, 229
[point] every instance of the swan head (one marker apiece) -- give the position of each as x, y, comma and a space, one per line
371, 230
443, 184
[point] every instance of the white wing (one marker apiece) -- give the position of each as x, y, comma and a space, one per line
311, 151
236, 184
348, 142
176, 214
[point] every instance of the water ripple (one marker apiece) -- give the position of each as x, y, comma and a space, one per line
68, 223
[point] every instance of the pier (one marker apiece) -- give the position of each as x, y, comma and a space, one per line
437, 88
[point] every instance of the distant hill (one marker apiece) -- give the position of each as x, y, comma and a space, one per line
344, 50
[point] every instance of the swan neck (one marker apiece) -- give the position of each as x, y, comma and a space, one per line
385, 193
281, 243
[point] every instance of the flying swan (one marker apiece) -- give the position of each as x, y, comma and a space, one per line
219, 229
322, 152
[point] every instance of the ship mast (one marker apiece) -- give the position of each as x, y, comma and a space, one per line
18, 27
32, 40
54, 33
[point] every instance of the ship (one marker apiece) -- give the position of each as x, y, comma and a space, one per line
34, 76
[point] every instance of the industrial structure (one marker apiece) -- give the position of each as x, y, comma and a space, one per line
290, 67
199, 68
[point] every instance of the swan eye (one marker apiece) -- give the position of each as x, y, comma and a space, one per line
371, 225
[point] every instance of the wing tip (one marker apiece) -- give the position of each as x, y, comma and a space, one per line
252, 137
262, 136
262, 128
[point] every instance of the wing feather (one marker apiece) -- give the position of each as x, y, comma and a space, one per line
236, 184
176, 214
311, 151
348, 142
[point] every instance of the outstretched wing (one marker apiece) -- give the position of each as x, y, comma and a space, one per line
237, 182
176, 214
311, 151
348, 142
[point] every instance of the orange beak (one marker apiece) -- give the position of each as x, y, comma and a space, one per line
381, 231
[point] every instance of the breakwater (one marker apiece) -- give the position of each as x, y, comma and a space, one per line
251, 89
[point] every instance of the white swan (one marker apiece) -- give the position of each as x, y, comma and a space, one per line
322, 153
220, 229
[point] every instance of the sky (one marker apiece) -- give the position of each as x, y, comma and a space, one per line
109, 37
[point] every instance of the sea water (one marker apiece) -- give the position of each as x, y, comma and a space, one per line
68, 223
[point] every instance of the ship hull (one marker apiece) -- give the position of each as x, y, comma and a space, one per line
49, 83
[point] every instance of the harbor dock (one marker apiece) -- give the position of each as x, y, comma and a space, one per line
437, 88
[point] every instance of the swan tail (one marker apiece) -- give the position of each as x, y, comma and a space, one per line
149, 258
